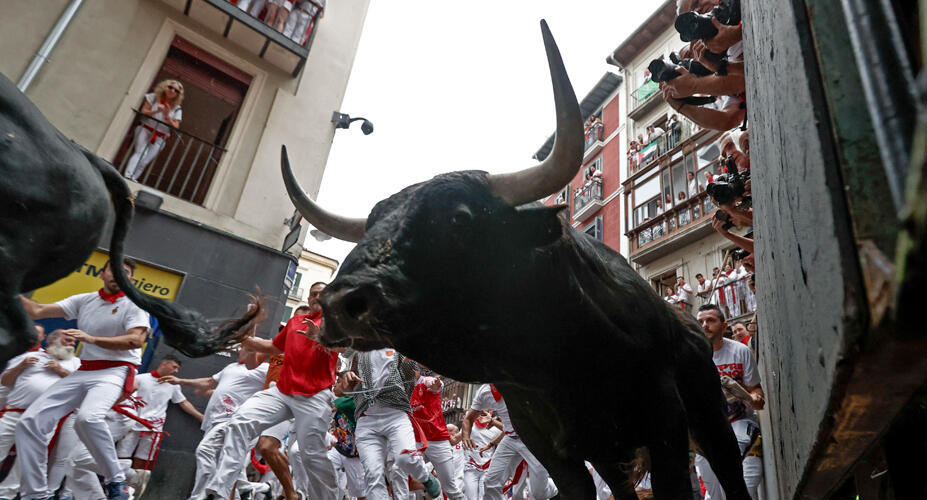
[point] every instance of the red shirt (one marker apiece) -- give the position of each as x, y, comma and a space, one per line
426, 410
307, 367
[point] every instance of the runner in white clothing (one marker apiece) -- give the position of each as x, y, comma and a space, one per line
112, 331
28, 376
230, 387
143, 442
485, 432
510, 450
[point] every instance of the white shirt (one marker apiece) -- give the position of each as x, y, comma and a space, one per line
102, 318
484, 400
736, 361
381, 362
704, 287
236, 383
35, 379
481, 437
163, 115
156, 396
693, 187
684, 293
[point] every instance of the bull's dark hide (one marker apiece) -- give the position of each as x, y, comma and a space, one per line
592, 363
54, 200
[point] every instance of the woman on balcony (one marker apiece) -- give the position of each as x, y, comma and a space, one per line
163, 108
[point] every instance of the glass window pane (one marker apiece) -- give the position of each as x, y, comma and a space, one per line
679, 182
647, 190
667, 190
707, 154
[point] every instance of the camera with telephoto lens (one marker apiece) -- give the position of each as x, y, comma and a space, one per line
722, 216
728, 188
739, 254
695, 26
662, 71
692, 66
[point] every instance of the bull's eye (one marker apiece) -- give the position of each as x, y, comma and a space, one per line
461, 216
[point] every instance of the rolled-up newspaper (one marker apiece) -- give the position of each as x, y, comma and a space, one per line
736, 390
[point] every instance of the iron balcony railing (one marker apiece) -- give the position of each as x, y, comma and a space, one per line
655, 149
734, 297
594, 134
685, 212
185, 167
589, 192
645, 91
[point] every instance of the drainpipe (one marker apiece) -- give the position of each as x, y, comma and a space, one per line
50, 41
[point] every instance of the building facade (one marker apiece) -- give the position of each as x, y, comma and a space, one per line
211, 204
311, 268
593, 197
667, 212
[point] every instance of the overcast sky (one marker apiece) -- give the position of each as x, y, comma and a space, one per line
459, 86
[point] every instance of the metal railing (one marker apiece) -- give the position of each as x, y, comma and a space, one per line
733, 297
589, 192
653, 151
686, 212
645, 91
184, 168
594, 134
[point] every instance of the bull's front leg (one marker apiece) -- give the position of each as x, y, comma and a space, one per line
17, 333
669, 444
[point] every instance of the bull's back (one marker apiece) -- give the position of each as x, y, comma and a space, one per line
53, 202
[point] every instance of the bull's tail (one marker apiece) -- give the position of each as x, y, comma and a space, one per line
184, 329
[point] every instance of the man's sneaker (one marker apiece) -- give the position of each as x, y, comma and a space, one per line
116, 490
433, 487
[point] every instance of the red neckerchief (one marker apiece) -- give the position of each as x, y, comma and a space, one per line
495, 393
164, 102
478, 424
35, 348
110, 297
155, 374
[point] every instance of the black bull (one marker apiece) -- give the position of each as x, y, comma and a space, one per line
465, 275
54, 201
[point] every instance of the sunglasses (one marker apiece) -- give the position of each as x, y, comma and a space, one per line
175, 89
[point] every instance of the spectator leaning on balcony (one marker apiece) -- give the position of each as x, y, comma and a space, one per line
683, 294
654, 132
692, 184
704, 286
150, 136
277, 12
297, 23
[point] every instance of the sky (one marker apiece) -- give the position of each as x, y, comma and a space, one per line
459, 86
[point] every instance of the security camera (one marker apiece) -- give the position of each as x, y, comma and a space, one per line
367, 127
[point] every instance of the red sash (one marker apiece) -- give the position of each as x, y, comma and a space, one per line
11, 410
102, 364
154, 134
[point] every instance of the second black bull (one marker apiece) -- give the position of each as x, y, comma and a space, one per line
465, 274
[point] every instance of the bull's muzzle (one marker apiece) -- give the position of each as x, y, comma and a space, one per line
349, 312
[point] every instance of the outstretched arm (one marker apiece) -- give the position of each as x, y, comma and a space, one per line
39, 311
197, 384
133, 339
189, 408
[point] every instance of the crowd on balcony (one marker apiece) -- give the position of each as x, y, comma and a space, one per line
293, 18
594, 130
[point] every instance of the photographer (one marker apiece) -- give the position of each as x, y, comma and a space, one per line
715, 22
730, 116
740, 241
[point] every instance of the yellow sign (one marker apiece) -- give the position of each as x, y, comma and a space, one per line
149, 280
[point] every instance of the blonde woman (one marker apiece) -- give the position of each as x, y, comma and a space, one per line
150, 135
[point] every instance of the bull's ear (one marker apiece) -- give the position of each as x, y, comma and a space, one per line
540, 226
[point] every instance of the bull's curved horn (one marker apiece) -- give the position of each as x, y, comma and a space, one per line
343, 228
564, 160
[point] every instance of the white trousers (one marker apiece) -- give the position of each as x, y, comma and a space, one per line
473, 483
399, 481
351, 470
10, 485
752, 465
509, 453
269, 407
296, 25
441, 455
144, 152
207, 458
387, 432
94, 393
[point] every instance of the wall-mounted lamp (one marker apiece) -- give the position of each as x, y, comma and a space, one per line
342, 120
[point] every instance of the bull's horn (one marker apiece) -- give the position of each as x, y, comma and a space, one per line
343, 228
558, 169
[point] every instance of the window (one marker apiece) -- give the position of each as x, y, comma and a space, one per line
663, 282
287, 314
294, 290
595, 229
183, 161
563, 197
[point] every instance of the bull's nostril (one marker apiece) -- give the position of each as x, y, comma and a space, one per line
355, 305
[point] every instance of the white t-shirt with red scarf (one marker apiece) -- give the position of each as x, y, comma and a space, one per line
736, 361
104, 315
488, 398
156, 397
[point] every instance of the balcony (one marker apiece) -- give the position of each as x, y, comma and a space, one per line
296, 293
595, 137
734, 298
687, 221
644, 99
666, 143
588, 199
250, 33
184, 167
